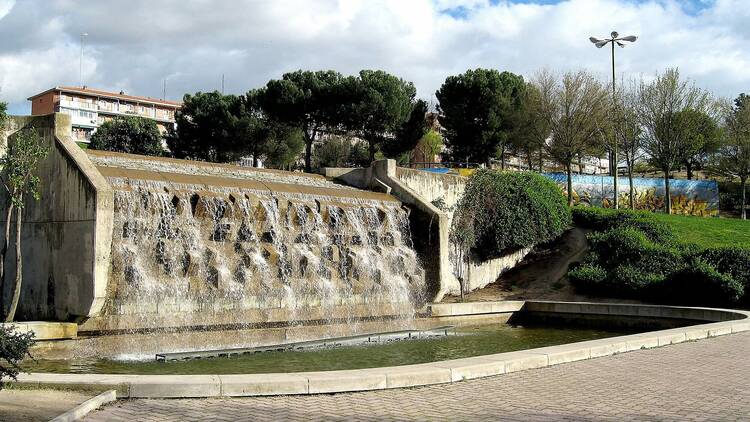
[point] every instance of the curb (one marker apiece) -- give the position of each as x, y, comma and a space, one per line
716, 322
83, 409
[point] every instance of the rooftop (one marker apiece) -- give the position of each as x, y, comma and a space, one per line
107, 94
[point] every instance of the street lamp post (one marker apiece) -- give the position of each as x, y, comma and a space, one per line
599, 43
80, 60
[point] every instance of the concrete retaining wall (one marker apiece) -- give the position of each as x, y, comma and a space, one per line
66, 235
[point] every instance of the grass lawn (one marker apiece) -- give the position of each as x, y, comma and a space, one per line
709, 232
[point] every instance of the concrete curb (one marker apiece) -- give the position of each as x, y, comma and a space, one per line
83, 409
174, 386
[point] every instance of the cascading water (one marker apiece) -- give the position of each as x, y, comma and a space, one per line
195, 258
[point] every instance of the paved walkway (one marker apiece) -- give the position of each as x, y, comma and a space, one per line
704, 380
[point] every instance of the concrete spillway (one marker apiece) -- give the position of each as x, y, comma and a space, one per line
126, 242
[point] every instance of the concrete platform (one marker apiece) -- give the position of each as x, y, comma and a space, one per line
44, 330
174, 386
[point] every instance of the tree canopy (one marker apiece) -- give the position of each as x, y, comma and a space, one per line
130, 134
309, 100
205, 125
378, 107
659, 107
477, 110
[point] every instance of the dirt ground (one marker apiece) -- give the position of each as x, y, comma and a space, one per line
541, 275
38, 405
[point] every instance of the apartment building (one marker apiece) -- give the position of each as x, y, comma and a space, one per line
89, 108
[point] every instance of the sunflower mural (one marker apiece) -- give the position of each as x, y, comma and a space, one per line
689, 197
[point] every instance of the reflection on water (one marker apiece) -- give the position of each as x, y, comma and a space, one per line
479, 340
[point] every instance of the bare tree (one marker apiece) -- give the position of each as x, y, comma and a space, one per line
629, 133
658, 106
733, 157
579, 103
535, 126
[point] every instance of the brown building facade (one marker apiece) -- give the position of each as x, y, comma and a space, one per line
89, 108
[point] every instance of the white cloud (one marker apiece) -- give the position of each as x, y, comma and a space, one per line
134, 45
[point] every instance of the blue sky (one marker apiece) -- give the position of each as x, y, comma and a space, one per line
135, 45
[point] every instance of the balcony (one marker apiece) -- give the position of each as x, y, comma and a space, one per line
78, 105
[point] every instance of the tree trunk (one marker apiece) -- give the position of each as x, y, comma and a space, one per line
371, 144
689, 169
541, 161
19, 271
308, 154
530, 160
502, 158
570, 183
631, 189
3, 253
743, 183
667, 196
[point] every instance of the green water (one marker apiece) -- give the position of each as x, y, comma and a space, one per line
473, 341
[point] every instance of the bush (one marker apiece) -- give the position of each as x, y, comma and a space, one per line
632, 254
699, 283
133, 135
507, 211
14, 347
589, 277
604, 219
733, 261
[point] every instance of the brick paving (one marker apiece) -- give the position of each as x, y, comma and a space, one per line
703, 380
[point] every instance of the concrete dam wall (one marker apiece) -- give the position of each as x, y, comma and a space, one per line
126, 242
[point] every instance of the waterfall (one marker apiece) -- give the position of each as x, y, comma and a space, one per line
187, 257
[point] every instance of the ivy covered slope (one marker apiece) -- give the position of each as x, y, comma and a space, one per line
638, 255
501, 212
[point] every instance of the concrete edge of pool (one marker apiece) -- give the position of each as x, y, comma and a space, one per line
716, 322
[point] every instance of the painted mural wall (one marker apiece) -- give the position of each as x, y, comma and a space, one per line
689, 197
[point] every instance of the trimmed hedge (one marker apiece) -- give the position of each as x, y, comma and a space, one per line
507, 211
635, 255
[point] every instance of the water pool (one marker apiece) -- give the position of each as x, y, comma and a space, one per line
472, 341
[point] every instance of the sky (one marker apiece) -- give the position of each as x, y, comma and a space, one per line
136, 45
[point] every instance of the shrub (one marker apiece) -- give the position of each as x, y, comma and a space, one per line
14, 347
699, 283
588, 277
130, 134
633, 254
635, 281
604, 219
733, 261
508, 211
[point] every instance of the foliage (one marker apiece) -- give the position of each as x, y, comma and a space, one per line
129, 134
534, 119
659, 104
19, 164
477, 110
639, 255
430, 145
3, 114
733, 156
700, 137
409, 134
579, 103
14, 347
205, 126
339, 151
377, 106
308, 100
501, 212
284, 145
